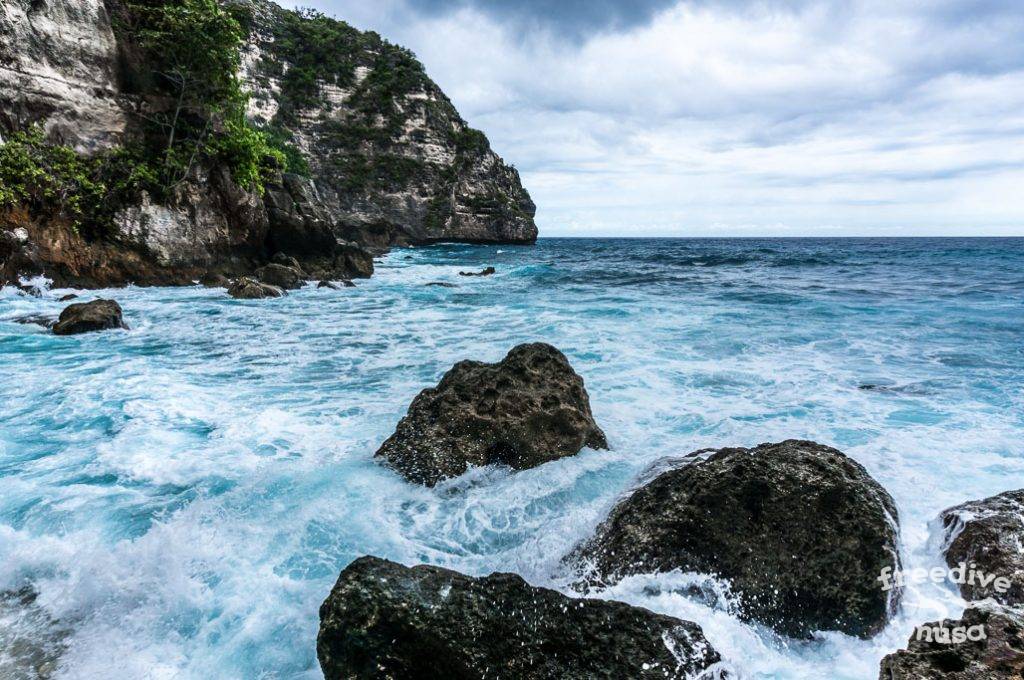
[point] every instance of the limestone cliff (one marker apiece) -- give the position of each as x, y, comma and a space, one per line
377, 154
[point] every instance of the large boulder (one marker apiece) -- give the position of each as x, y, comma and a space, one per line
246, 288
384, 620
988, 534
987, 643
280, 275
85, 317
527, 409
801, 531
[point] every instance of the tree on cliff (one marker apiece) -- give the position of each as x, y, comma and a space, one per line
191, 56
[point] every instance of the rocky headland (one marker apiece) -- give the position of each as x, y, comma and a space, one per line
125, 160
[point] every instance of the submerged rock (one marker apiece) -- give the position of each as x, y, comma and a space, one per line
67, 298
282, 276
44, 320
989, 534
987, 643
31, 640
483, 272
336, 285
85, 317
528, 409
385, 620
801, 531
440, 284
246, 288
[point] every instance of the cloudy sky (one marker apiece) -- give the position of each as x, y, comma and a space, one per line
737, 117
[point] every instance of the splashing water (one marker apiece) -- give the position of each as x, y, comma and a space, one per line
177, 500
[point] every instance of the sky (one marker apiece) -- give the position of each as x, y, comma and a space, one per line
737, 117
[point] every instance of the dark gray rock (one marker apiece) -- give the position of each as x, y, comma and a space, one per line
938, 650
528, 409
384, 620
246, 288
483, 272
67, 298
989, 533
440, 284
288, 278
214, 280
286, 260
44, 320
801, 531
85, 317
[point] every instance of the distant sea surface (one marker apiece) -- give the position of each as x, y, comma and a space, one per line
180, 498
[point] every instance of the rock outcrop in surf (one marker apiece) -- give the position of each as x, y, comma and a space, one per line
988, 534
800, 531
87, 317
385, 620
527, 409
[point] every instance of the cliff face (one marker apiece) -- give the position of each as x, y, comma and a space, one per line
377, 154
390, 156
58, 66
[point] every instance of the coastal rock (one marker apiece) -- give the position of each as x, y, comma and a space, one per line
801, 531
86, 317
528, 409
67, 298
282, 276
44, 320
483, 272
987, 643
385, 620
214, 280
989, 534
246, 288
440, 284
336, 285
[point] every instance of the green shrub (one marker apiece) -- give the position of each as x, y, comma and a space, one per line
54, 180
191, 55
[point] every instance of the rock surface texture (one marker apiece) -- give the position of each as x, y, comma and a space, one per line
382, 156
246, 288
990, 534
385, 620
527, 409
939, 655
800, 530
85, 317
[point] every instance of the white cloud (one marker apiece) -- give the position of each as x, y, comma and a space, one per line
864, 117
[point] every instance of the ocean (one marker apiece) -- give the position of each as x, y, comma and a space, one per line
177, 500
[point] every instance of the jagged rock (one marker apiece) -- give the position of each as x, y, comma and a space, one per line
286, 260
528, 409
245, 288
801, 531
67, 298
355, 260
384, 620
288, 278
440, 284
987, 643
85, 317
989, 534
483, 272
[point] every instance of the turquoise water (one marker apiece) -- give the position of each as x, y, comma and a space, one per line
182, 496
